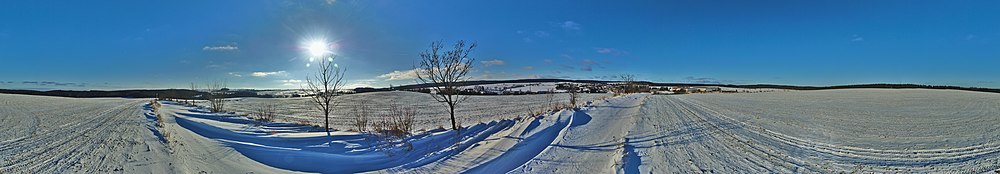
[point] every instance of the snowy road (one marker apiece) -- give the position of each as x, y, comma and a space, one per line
63, 135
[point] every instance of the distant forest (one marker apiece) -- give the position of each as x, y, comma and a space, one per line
190, 94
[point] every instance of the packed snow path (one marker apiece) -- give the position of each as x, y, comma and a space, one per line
594, 141
66, 135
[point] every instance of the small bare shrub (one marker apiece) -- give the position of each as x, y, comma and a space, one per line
397, 123
265, 112
362, 113
550, 96
393, 127
156, 111
217, 95
573, 94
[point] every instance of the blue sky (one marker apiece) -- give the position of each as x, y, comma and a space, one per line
257, 44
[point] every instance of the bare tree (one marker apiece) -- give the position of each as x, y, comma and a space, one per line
217, 95
324, 85
445, 70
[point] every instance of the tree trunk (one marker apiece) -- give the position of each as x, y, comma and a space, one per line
326, 116
453, 124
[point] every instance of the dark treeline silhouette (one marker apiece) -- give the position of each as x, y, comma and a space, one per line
157, 93
189, 94
792, 87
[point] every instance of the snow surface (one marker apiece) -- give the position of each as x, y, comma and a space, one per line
828, 131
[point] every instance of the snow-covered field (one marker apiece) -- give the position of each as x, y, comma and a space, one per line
829, 131
430, 114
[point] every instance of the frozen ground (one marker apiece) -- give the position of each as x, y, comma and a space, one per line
830, 131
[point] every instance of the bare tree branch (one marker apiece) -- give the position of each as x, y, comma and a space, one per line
324, 85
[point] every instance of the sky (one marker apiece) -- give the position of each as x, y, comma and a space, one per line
264, 44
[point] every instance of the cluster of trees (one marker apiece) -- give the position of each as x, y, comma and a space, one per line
627, 85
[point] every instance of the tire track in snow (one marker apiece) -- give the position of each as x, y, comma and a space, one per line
78, 136
891, 160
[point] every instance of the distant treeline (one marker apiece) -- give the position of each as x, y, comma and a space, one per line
190, 94
161, 93
754, 86
861, 86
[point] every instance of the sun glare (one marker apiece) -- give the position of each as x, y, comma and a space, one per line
317, 48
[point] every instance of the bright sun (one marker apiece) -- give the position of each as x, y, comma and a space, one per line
317, 48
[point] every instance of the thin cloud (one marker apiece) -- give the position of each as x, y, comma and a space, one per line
529, 68
265, 74
541, 34
708, 80
857, 38
235, 74
604, 50
970, 37
292, 82
570, 25
361, 83
493, 62
400, 75
221, 48
50, 83
610, 51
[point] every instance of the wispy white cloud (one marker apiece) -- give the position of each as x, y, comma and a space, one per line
604, 50
361, 83
235, 74
529, 68
541, 34
610, 51
856, 38
488, 63
400, 75
970, 37
265, 74
231, 47
570, 25
292, 82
